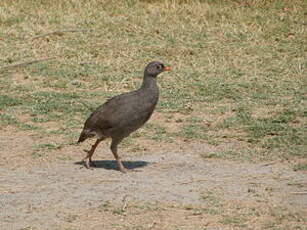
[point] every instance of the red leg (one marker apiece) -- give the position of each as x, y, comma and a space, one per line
117, 157
88, 159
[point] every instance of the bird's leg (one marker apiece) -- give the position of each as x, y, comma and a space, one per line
88, 159
117, 157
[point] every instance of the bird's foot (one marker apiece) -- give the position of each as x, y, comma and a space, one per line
92, 164
89, 164
123, 169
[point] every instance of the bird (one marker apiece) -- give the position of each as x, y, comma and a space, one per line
123, 114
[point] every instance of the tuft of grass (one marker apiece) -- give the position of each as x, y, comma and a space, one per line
210, 198
8, 101
51, 103
174, 100
105, 206
193, 131
6, 119
41, 150
301, 166
10, 120
28, 228
232, 220
156, 132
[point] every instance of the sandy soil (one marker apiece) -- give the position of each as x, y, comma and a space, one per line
59, 194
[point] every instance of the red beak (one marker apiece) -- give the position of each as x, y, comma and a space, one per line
167, 68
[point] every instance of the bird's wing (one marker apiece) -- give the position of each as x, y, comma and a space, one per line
111, 112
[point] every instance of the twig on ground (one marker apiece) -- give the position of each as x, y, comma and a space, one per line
59, 32
25, 63
124, 203
299, 193
192, 181
102, 181
270, 163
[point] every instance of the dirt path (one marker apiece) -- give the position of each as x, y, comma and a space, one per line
35, 196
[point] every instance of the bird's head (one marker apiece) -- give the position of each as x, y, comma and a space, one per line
154, 68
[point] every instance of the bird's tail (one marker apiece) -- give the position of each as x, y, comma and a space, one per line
83, 136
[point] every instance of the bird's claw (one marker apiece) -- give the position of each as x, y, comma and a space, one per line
89, 164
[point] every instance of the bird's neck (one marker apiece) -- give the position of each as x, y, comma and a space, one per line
149, 82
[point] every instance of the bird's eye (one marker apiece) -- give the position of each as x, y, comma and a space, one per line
159, 67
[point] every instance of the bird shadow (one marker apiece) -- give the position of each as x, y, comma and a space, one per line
111, 164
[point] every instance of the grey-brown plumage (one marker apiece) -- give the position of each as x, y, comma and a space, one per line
123, 114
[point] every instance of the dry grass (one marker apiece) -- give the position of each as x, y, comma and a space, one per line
147, 216
239, 67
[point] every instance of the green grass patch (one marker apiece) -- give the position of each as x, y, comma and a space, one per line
301, 166
41, 150
193, 131
6, 119
6, 101
274, 132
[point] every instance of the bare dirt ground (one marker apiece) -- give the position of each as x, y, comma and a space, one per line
167, 188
